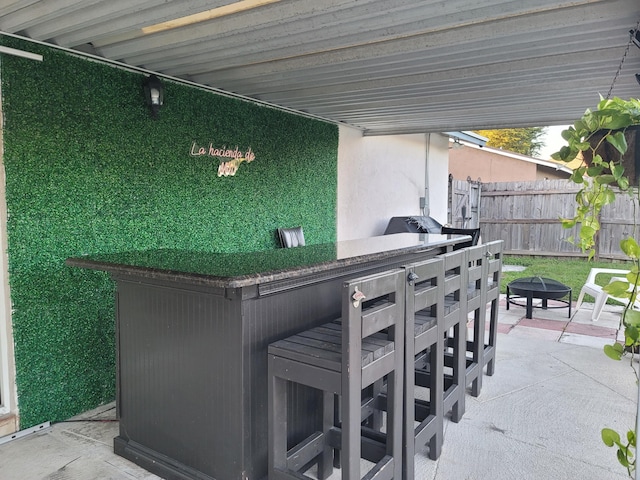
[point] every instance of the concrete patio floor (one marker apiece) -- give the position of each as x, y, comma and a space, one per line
539, 416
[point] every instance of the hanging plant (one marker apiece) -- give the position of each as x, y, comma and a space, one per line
599, 137
607, 150
602, 138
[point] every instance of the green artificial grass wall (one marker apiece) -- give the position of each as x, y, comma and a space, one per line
89, 171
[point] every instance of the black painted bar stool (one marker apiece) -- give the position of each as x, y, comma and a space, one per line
425, 344
344, 359
485, 264
477, 308
493, 273
455, 328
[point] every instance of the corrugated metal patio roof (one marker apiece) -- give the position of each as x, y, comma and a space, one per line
384, 66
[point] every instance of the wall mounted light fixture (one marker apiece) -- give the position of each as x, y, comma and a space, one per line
154, 93
635, 37
456, 143
638, 77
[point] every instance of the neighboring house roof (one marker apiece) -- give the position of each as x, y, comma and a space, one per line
538, 161
471, 137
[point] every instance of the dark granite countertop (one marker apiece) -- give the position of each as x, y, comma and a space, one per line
232, 270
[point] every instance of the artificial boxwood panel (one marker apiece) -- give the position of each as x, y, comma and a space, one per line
89, 171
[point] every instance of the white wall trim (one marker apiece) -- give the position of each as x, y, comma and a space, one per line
8, 400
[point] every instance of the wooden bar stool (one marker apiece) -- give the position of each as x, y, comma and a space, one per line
485, 265
493, 264
476, 306
343, 361
455, 331
425, 340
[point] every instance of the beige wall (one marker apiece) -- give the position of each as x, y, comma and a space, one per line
490, 166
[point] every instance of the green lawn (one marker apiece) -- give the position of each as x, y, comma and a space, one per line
571, 272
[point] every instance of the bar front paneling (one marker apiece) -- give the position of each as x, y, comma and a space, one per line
192, 336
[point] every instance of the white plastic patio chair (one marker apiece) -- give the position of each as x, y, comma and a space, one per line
596, 291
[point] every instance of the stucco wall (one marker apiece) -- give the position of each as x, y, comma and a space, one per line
493, 165
487, 166
382, 177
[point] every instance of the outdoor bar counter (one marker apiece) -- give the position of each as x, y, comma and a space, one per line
192, 335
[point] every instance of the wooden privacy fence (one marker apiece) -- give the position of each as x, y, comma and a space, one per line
526, 216
464, 203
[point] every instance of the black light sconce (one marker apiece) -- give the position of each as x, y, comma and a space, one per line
154, 93
635, 37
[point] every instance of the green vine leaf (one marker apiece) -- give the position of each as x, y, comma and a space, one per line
618, 141
623, 183
614, 352
617, 170
570, 133
632, 321
597, 159
587, 233
604, 179
610, 437
630, 248
617, 289
578, 175
609, 197
622, 457
589, 122
595, 170
566, 154
631, 335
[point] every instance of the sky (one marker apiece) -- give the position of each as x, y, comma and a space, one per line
553, 141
